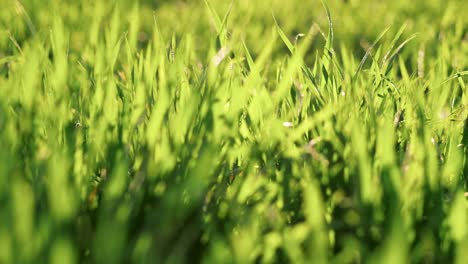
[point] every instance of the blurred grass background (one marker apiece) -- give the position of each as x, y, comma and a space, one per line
233, 131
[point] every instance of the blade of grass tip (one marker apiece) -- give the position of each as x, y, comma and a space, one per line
392, 44
368, 52
455, 76
118, 46
249, 57
401, 46
226, 17
328, 56
283, 36
157, 30
295, 65
13, 40
130, 49
26, 16
329, 44
218, 23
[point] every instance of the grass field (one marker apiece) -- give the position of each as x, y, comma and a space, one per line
242, 131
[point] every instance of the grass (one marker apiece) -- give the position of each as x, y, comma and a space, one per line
233, 131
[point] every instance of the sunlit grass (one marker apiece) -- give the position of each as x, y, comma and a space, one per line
233, 132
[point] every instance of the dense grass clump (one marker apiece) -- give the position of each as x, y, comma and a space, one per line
240, 131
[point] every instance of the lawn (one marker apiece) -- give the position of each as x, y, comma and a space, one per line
243, 131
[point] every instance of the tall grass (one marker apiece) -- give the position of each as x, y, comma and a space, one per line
233, 131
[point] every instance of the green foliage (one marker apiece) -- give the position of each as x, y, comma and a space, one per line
233, 131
